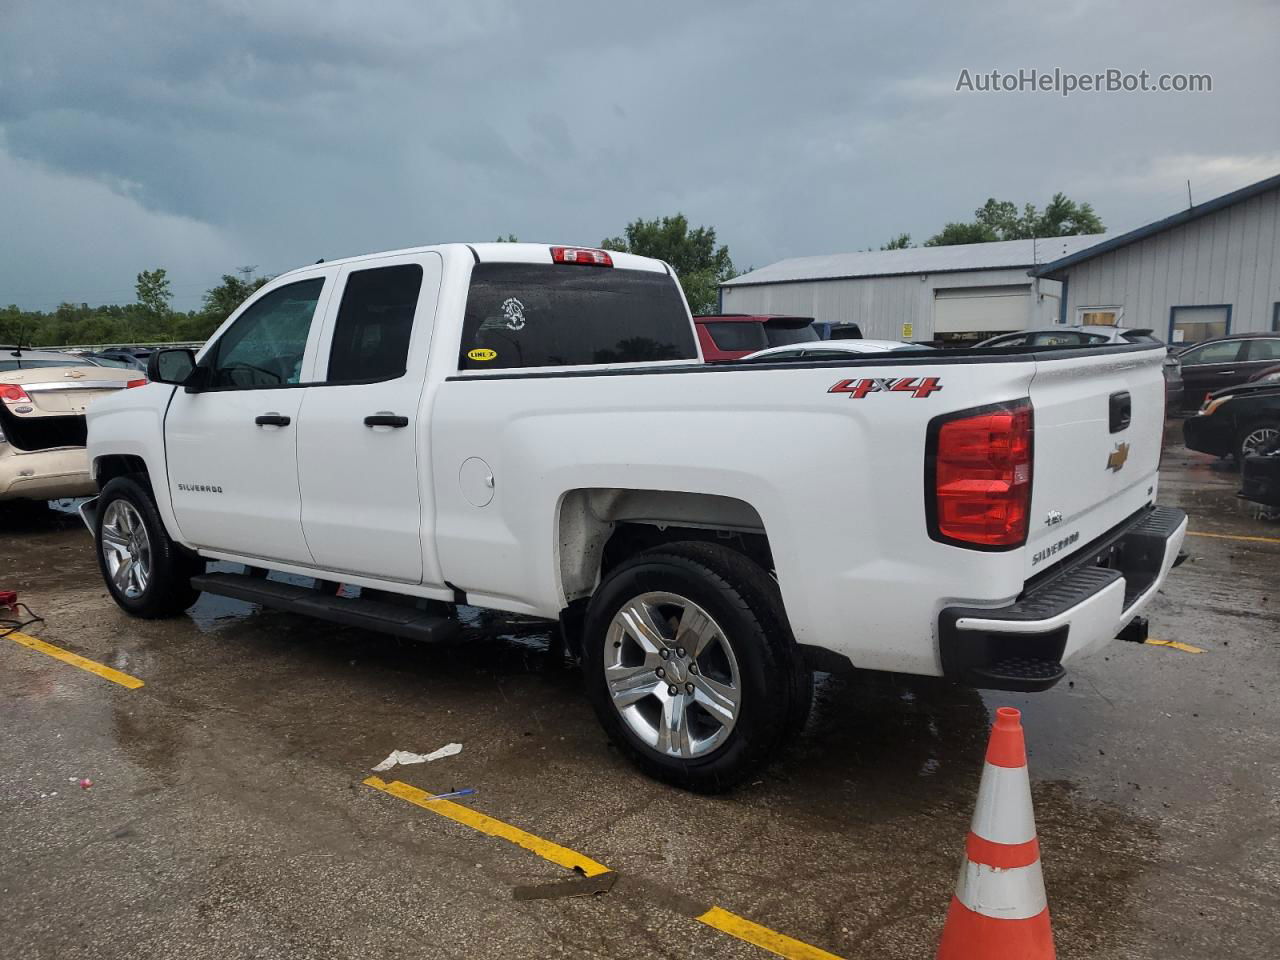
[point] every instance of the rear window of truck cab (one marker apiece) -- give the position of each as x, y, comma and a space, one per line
523, 315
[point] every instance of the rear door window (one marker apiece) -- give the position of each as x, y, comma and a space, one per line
374, 324
523, 315
746, 335
1264, 349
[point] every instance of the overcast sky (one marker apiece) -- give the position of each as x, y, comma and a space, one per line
204, 135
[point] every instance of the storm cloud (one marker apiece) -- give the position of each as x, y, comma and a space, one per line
201, 136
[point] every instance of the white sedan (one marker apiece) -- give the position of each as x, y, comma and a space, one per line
832, 349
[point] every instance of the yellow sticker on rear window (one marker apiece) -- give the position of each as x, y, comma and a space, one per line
481, 353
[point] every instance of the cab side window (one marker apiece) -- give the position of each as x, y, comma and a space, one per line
375, 321
265, 346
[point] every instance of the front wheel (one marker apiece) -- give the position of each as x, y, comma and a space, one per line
146, 572
691, 665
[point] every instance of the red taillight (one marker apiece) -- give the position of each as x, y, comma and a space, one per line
12, 393
581, 255
142, 382
979, 462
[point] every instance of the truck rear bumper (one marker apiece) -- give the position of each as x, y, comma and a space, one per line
1079, 607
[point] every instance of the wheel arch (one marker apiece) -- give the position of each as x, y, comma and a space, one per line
111, 465
599, 527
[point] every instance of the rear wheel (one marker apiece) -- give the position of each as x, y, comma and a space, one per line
691, 666
148, 575
1256, 436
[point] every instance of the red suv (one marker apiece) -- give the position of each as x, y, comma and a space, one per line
731, 336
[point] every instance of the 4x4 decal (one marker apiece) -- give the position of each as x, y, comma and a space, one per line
918, 387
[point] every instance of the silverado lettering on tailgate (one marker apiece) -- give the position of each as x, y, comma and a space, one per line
1054, 548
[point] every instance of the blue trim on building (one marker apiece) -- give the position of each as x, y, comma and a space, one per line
1062, 301
1173, 312
1168, 223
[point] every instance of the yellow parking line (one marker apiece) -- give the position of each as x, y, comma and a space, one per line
763, 937
560, 856
66, 656
722, 920
1184, 647
1233, 536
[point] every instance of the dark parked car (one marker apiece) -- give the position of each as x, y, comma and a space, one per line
1260, 475
120, 360
1268, 374
1236, 422
1211, 365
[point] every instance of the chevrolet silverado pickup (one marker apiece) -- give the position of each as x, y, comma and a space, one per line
532, 429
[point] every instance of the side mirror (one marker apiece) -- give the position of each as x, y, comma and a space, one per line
171, 366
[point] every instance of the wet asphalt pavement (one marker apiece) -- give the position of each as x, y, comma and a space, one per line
227, 817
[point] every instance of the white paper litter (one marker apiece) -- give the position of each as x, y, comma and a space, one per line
405, 757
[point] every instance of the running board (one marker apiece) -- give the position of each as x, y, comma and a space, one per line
373, 615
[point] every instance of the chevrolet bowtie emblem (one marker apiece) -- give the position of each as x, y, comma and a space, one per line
73, 373
1117, 458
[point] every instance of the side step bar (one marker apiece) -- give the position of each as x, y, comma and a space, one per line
373, 615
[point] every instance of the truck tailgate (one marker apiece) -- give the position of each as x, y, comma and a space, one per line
1099, 424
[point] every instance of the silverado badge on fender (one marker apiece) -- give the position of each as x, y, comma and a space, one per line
918, 387
1117, 458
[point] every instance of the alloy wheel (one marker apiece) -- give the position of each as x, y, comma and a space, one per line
126, 548
672, 675
1255, 439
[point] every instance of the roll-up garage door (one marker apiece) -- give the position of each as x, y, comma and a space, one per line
981, 309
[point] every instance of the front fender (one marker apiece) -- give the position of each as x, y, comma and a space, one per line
131, 423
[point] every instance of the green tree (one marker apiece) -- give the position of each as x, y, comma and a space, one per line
219, 303
901, 242
153, 291
1066, 218
693, 254
954, 233
1002, 220
509, 238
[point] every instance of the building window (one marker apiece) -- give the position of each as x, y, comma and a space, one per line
1099, 316
1193, 324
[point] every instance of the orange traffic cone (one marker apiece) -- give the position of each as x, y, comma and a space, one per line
999, 910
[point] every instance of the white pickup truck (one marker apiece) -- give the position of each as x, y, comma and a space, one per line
531, 429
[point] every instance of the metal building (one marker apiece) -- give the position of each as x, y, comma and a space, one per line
1209, 270
957, 293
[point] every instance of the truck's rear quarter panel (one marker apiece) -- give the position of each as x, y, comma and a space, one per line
837, 480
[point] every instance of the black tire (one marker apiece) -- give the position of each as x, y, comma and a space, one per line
168, 591
1248, 430
776, 689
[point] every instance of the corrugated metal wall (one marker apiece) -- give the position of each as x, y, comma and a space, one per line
1231, 257
880, 305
